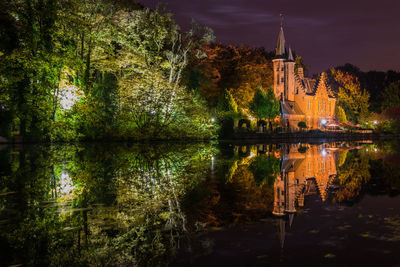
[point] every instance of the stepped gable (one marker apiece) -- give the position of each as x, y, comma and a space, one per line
312, 86
322, 185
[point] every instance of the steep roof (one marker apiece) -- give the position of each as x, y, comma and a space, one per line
290, 108
290, 57
280, 46
311, 86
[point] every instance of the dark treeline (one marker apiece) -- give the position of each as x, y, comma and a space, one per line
375, 83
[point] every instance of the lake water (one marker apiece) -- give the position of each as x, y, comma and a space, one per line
200, 204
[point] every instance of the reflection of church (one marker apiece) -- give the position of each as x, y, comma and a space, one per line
305, 170
301, 98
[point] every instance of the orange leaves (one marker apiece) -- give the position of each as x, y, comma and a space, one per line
241, 70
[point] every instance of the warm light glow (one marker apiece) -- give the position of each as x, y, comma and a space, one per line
65, 185
68, 92
375, 122
69, 96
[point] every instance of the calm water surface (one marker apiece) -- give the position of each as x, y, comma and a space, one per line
200, 204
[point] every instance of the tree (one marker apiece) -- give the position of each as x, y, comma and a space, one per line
302, 125
300, 64
265, 169
265, 106
391, 96
260, 105
350, 96
227, 104
340, 114
242, 70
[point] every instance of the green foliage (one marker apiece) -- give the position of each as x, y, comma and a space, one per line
265, 169
352, 175
302, 149
350, 97
97, 205
391, 96
227, 104
391, 126
264, 105
302, 125
340, 114
98, 70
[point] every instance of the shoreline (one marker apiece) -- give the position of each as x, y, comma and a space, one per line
237, 137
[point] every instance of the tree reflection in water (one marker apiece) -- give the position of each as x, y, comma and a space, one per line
141, 204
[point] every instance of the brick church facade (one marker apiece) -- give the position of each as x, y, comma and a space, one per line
301, 98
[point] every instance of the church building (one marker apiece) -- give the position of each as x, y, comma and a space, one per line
301, 98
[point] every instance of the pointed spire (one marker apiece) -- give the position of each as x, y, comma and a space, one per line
291, 217
290, 57
280, 46
282, 231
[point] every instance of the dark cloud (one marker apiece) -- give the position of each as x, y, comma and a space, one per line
326, 33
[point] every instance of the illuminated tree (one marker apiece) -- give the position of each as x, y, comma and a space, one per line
350, 96
340, 114
264, 106
227, 103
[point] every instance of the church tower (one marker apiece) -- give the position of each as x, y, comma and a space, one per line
289, 72
283, 65
279, 66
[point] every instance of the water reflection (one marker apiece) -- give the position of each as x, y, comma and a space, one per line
156, 204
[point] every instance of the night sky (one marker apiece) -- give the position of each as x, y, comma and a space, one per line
325, 33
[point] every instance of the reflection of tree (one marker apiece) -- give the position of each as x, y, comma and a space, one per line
265, 169
385, 177
123, 204
352, 176
237, 196
342, 155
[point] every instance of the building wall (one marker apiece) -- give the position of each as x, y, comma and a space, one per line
316, 108
279, 77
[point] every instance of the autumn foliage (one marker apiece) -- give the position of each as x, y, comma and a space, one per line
241, 70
